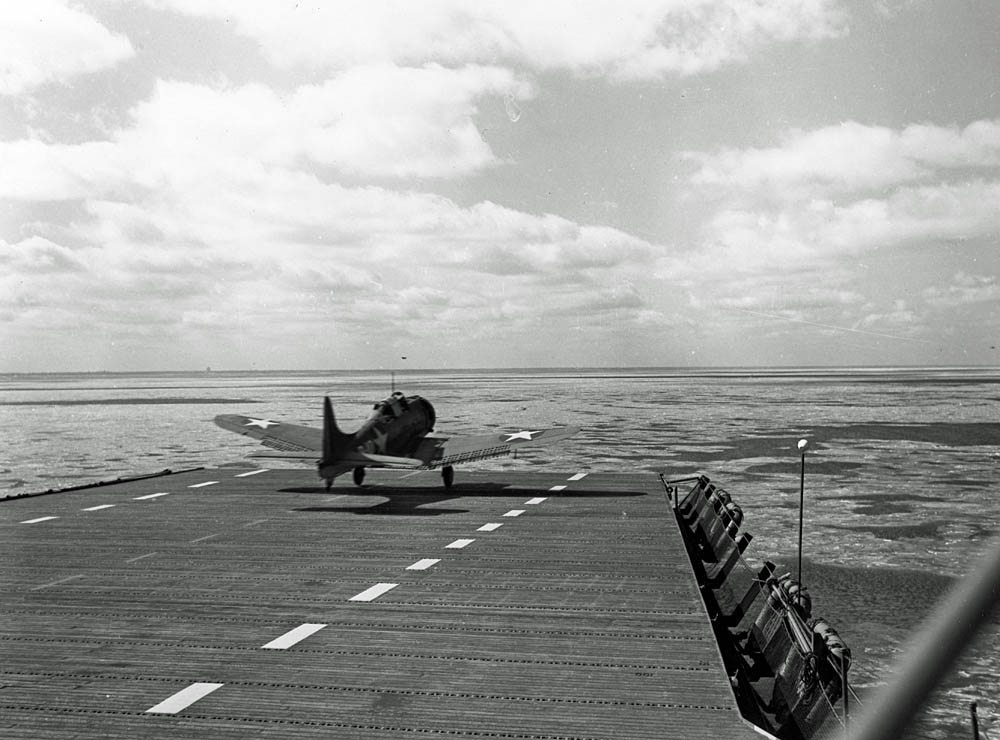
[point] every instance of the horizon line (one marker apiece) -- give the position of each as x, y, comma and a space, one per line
525, 368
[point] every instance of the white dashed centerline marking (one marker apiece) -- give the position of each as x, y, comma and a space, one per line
251, 472
370, 594
55, 583
490, 527
424, 564
136, 559
578, 476
558, 488
294, 636
202, 485
514, 512
40, 519
149, 496
458, 544
98, 508
534, 501
184, 698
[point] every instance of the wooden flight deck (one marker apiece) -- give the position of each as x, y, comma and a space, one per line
242, 603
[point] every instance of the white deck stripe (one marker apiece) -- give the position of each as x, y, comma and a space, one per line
424, 564
370, 594
514, 512
294, 636
202, 485
39, 519
150, 495
55, 583
184, 698
558, 488
533, 501
255, 522
251, 472
147, 555
490, 527
458, 544
578, 476
98, 508
206, 537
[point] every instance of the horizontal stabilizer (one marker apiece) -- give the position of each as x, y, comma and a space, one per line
383, 461
353, 459
277, 455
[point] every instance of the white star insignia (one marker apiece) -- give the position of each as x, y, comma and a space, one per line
519, 435
262, 423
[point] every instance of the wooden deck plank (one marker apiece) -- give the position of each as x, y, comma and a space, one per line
579, 618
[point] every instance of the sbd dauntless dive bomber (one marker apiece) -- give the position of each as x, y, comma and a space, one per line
399, 433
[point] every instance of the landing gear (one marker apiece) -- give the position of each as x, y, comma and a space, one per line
359, 475
329, 483
448, 475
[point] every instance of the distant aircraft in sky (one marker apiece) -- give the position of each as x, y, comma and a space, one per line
399, 433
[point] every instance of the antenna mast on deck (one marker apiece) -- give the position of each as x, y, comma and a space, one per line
392, 377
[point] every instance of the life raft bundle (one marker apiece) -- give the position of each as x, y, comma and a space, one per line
835, 646
788, 668
795, 594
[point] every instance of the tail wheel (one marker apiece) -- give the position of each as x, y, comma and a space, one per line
448, 475
359, 475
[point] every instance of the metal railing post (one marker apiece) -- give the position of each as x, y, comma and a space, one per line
844, 689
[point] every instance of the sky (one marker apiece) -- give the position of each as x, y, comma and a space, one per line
242, 184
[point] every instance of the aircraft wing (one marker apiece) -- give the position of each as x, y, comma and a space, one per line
292, 440
439, 450
295, 442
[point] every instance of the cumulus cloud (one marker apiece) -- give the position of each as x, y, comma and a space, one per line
390, 121
846, 189
36, 170
372, 121
853, 156
796, 233
964, 289
48, 41
375, 122
832, 223
208, 200
38, 255
635, 40
347, 279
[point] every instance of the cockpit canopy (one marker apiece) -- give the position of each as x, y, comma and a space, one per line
392, 406
397, 404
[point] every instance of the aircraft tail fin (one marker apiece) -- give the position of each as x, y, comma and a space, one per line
336, 443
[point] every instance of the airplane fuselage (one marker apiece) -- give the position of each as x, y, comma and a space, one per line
396, 426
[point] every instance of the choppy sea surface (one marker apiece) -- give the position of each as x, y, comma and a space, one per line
901, 488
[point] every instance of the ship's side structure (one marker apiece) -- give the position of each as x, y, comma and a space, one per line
788, 669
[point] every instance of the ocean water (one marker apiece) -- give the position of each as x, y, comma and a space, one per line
901, 490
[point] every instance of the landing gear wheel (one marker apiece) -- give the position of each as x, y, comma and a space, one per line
448, 475
329, 484
359, 475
